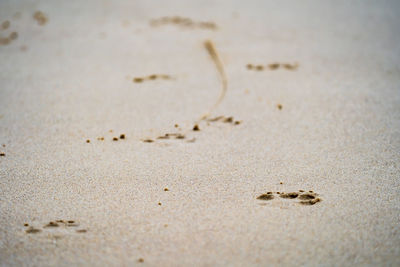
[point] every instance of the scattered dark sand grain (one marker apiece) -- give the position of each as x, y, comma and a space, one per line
279, 106
148, 140
87, 141
81, 231
2, 154
26, 224
122, 136
159, 203
115, 138
141, 260
196, 128
166, 189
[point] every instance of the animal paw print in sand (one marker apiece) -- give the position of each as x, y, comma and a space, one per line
306, 198
55, 225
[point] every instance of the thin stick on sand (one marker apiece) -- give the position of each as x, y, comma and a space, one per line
220, 67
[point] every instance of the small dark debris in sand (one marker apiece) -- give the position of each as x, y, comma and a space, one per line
310, 202
60, 221
26, 224
100, 138
237, 122
281, 183
159, 203
289, 195
32, 230
2, 154
87, 141
259, 67
249, 66
70, 221
265, 197
196, 128
81, 231
51, 224
5, 25
148, 140
301, 191
166, 189
40, 17
115, 138
122, 136
141, 260
176, 125
279, 106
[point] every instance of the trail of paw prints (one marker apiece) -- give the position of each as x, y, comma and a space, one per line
196, 128
183, 22
306, 198
8, 36
273, 66
114, 138
152, 77
52, 225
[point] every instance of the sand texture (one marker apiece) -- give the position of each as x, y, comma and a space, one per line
159, 133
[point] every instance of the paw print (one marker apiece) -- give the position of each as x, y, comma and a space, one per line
306, 198
53, 225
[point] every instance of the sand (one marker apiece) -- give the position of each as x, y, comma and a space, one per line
331, 125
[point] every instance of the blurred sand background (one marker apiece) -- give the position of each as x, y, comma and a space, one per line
338, 134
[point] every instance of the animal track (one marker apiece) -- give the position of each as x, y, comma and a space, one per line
11, 36
121, 137
66, 224
272, 66
184, 22
151, 77
306, 198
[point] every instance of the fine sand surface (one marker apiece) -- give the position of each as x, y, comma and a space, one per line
328, 122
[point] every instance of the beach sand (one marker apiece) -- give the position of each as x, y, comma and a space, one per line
317, 109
